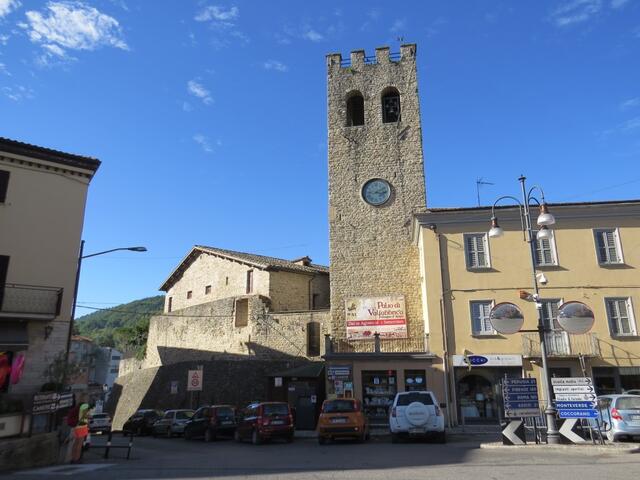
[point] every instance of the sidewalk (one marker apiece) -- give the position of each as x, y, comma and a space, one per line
587, 448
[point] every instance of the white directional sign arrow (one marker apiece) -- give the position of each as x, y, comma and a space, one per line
567, 431
573, 389
510, 432
571, 381
575, 397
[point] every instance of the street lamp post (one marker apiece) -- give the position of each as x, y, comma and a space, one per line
75, 291
544, 219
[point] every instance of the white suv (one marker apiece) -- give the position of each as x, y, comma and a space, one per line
416, 414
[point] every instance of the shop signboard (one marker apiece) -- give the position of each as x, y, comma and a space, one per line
51, 402
487, 360
520, 397
338, 372
367, 316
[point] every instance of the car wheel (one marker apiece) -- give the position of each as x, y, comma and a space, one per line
611, 437
289, 438
322, 440
255, 438
395, 438
187, 434
169, 434
441, 437
209, 436
139, 431
362, 438
236, 436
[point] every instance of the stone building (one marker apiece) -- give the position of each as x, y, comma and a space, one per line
245, 320
376, 184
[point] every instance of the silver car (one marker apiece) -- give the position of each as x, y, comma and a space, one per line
172, 423
620, 416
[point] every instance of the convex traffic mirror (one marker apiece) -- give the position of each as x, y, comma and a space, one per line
506, 318
575, 317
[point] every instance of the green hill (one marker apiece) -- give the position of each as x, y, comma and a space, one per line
123, 327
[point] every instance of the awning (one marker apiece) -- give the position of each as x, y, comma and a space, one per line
309, 370
13, 335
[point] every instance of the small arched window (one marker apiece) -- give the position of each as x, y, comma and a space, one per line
390, 105
355, 109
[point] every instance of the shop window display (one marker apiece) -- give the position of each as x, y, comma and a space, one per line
378, 391
415, 380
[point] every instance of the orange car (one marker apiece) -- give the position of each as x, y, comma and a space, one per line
342, 418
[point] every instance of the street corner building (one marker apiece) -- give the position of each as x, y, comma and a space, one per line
42, 203
254, 326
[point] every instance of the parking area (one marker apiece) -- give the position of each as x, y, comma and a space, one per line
303, 459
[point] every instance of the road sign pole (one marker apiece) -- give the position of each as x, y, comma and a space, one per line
553, 435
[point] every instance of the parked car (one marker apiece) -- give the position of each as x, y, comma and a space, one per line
620, 415
99, 422
416, 414
635, 391
263, 421
342, 418
141, 422
210, 422
172, 423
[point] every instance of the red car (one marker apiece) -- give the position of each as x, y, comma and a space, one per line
263, 421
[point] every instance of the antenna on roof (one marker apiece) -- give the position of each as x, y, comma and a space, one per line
480, 181
400, 39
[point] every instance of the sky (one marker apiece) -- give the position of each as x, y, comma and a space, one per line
210, 116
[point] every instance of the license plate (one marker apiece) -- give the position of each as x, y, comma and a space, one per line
416, 430
277, 422
634, 418
338, 420
228, 422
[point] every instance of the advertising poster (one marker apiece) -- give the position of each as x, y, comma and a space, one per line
369, 315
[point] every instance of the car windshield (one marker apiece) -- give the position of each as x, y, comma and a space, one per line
628, 403
225, 412
276, 409
184, 415
339, 406
408, 398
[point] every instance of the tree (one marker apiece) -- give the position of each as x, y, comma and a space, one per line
59, 371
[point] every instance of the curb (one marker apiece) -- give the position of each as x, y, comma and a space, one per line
616, 449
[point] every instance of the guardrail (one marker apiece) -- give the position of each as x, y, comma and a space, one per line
561, 344
30, 301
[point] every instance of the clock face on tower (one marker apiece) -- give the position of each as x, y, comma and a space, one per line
376, 192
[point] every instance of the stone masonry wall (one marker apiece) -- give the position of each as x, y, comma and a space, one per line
370, 247
208, 331
227, 279
293, 291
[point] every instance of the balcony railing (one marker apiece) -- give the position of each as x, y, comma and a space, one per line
561, 344
377, 345
30, 302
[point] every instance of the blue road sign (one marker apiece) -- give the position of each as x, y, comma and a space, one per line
519, 397
518, 405
575, 405
519, 381
591, 413
510, 389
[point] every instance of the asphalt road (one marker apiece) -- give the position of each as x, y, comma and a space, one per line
378, 459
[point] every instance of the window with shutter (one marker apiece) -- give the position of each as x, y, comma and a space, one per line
608, 246
550, 313
620, 316
476, 250
480, 322
544, 251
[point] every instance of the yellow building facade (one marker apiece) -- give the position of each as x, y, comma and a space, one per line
593, 257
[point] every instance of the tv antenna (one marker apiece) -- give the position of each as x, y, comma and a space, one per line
479, 182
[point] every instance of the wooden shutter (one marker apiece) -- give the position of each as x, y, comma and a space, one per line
4, 185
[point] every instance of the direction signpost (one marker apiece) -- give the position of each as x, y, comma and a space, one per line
520, 396
575, 400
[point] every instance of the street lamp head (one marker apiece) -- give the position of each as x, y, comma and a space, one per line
544, 233
545, 218
496, 231
137, 249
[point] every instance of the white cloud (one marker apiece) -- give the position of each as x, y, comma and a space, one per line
630, 125
17, 93
275, 65
204, 143
398, 25
198, 90
311, 34
618, 3
631, 103
7, 6
72, 25
575, 11
4, 39
218, 14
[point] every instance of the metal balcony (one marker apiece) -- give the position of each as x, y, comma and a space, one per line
29, 302
561, 344
417, 345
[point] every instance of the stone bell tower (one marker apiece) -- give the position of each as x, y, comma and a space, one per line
376, 180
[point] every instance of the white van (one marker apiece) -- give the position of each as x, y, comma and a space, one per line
416, 414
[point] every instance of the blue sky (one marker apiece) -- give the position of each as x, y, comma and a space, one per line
210, 117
